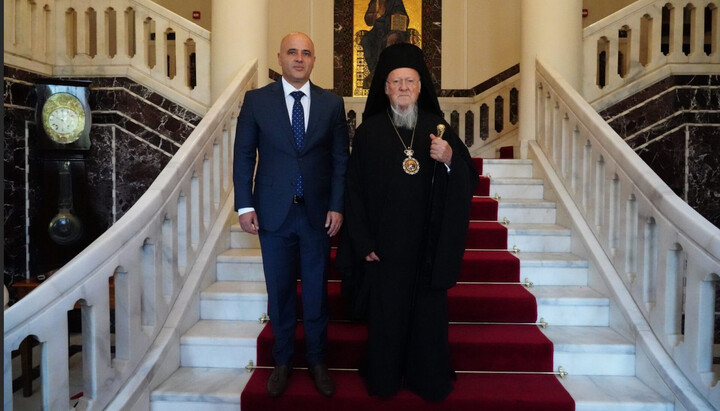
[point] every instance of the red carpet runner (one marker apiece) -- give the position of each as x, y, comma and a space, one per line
490, 346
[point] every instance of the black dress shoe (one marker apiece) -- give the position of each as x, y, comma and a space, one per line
278, 381
323, 381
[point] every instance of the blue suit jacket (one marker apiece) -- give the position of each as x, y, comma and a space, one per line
264, 133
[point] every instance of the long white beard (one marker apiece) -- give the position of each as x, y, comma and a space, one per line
405, 118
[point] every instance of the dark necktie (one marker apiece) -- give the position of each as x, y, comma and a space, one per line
298, 127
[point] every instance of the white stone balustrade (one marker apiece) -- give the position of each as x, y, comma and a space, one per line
649, 52
667, 255
134, 38
149, 252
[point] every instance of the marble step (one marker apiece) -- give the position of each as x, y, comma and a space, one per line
563, 305
233, 300
241, 239
572, 305
507, 188
220, 344
546, 238
516, 210
240, 264
219, 389
508, 168
237, 264
553, 268
527, 211
616, 393
580, 350
591, 350
200, 389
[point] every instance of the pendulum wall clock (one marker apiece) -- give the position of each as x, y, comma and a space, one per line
62, 132
63, 117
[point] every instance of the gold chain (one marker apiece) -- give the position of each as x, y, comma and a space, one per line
408, 150
410, 165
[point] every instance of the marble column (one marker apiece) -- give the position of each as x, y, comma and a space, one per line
235, 43
552, 31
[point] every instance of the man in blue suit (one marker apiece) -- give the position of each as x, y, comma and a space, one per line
296, 134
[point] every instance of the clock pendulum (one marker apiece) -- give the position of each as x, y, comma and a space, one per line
65, 228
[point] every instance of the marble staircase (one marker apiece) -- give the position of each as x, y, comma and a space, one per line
600, 361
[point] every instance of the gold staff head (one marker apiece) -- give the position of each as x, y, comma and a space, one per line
440, 130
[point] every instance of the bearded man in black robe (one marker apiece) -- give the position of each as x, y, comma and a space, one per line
407, 205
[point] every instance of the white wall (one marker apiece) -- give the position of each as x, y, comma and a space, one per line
599, 9
185, 8
479, 40
312, 17
235, 44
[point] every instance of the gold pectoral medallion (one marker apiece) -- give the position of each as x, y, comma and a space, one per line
410, 164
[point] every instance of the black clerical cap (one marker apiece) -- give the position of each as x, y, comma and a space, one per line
398, 56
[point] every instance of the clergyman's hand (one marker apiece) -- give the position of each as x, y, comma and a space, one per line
249, 222
372, 257
440, 150
333, 222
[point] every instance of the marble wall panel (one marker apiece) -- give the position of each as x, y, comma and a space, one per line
14, 190
168, 143
659, 118
667, 158
638, 98
99, 169
137, 109
19, 93
698, 101
17, 74
704, 165
139, 164
639, 117
147, 94
654, 90
134, 129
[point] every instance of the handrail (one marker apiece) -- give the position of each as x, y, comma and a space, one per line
135, 38
638, 51
666, 254
148, 252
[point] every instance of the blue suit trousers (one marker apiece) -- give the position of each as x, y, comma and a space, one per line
296, 248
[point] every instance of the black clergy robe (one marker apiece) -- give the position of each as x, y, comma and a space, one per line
417, 225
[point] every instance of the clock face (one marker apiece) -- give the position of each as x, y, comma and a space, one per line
63, 118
